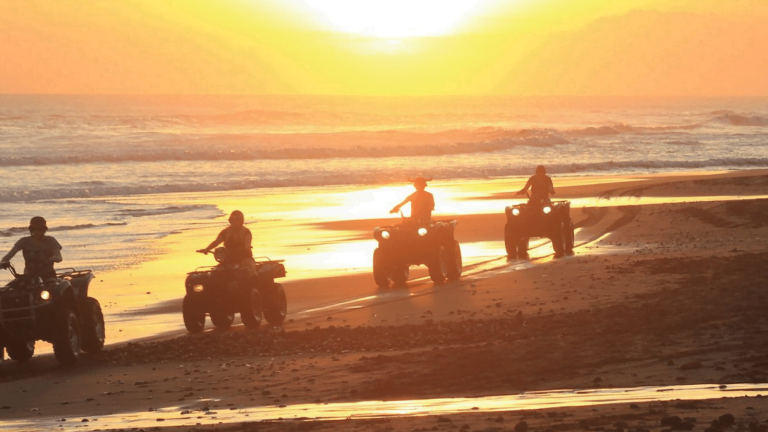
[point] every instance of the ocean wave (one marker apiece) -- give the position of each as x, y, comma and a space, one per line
741, 120
19, 230
622, 128
368, 176
158, 211
244, 147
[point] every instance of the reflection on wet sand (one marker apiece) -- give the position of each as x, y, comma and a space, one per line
213, 414
294, 224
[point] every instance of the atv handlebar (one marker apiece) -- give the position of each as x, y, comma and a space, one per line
10, 267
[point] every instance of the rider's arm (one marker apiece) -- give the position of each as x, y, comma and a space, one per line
248, 238
56, 249
218, 241
551, 186
9, 255
528, 184
405, 201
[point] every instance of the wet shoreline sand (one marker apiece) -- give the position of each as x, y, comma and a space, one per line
657, 294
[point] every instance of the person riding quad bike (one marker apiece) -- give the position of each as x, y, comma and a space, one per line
41, 304
238, 284
40, 251
422, 203
540, 217
416, 241
541, 187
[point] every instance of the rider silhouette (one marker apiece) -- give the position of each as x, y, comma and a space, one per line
40, 251
541, 187
422, 203
237, 241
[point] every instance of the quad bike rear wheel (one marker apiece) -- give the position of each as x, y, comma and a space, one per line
400, 275
93, 331
20, 351
522, 248
277, 308
222, 319
66, 344
194, 316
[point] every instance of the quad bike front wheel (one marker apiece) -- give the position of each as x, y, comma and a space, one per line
381, 271
93, 331
510, 241
194, 316
20, 351
439, 266
251, 312
568, 236
454, 262
66, 345
277, 308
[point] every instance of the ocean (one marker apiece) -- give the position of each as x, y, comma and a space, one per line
113, 173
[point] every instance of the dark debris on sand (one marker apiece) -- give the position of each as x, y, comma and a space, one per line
725, 296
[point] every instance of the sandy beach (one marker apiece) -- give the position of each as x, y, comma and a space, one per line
667, 288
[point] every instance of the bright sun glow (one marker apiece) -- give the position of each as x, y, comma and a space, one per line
394, 18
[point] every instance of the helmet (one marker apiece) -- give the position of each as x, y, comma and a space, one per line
541, 170
38, 222
236, 217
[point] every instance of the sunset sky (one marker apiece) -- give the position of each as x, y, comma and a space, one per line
385, 47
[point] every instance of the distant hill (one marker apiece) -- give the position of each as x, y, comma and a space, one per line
648, 53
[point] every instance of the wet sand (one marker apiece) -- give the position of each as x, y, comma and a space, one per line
657, 294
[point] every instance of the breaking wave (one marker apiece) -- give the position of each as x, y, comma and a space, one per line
258, 147
734, 119
19, 230
364, 176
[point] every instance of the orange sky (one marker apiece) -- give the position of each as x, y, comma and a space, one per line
392, 47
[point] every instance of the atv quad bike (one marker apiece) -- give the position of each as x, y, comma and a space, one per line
56, 310
548, 220
407, 244
225, 289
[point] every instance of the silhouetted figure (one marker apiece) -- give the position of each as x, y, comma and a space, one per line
237, 241
40, 251
541, 187
422, 203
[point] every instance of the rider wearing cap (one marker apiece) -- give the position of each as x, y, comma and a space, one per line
541, 187
40, 251
237, 241
422, 203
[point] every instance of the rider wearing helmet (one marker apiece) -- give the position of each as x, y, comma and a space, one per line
40, 251
237, 241
541, 187
422, 203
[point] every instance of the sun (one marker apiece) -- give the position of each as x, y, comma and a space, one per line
394, 18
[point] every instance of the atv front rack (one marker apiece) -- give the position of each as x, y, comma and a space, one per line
70, 273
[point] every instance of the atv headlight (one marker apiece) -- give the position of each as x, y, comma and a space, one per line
197, 288
547, 210
515, 212
385, 235
45, 295
422, 231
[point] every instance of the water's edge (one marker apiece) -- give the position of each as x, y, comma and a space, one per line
196, 415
